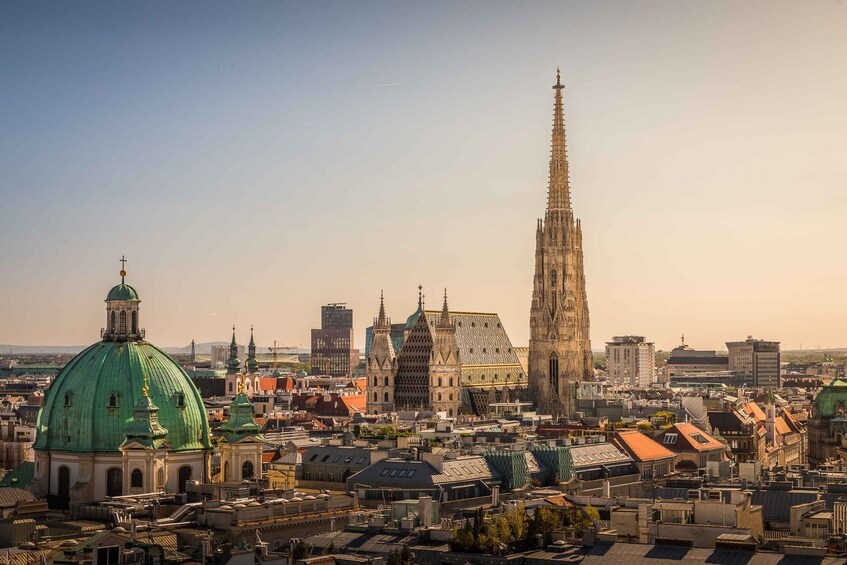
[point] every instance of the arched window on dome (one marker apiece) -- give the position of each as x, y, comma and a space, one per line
64, 481
67, 399
113, 400
247, 470
114, 324
114, 481
123, 322
183, 476
136, 479
180, 400
134, 322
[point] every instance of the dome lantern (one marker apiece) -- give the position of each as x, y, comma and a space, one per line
122, 319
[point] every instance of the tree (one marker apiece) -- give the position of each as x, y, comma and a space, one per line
300, 550
330, 549
401, 556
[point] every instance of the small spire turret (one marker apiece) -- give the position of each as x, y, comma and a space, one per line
232, 363
252, 363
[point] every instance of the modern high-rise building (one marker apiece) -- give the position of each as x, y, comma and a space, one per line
559, 343
756, 361
631, 361
332, 345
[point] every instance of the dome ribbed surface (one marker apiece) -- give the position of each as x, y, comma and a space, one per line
89, 424
122, 292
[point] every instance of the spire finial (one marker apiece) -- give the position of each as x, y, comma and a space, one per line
420, 296
558, 191
146, 389
123, 270
381, 316
445, 312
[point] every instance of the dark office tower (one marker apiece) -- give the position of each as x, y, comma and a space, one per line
332, 345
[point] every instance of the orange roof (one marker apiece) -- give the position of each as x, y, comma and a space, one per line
266, 383
359, 384
269, 456
355, 403
781, 427
692, 437
754, 410
639, 446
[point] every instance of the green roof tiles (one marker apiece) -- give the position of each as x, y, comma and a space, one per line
122, 292
91, 404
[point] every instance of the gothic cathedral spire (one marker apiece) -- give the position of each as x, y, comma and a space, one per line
559, 344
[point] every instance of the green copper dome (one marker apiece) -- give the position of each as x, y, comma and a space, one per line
413, 319
99, 397
122, 292
832, 399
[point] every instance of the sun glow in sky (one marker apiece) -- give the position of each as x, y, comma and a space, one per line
256, 160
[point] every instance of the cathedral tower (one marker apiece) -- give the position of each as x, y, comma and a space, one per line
381, 364
445, 367
559, 343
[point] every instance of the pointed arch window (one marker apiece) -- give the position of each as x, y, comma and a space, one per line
386, 397
553, 372
386, 381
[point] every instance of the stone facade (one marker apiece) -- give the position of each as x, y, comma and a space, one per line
559, 343
445, 368
380, 370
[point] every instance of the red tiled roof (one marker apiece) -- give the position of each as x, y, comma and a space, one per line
755, 410
689, 437
781, 427
266, 383
640, 447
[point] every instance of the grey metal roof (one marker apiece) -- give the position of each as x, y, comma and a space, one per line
591, 455
776, 504
337, 455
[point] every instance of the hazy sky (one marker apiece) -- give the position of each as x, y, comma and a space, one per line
255, 160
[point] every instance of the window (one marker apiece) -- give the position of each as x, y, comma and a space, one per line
134, 322
553, 372
67, 399
325, 457
384, 472
401, 474
160, 477
123, 322
393, 472
113, 401
64, 481
184, 475
247, 470
411, 473
386, 397
136, 479
670, 439
313, 457
180, 400
113, 325
386, 381
114, 482
439, 382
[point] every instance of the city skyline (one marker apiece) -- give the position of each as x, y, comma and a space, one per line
272, 197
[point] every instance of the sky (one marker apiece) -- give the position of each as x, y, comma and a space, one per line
256, 160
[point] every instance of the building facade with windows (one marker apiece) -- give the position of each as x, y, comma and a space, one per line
756, 361
121, 418
631, 361
333, 353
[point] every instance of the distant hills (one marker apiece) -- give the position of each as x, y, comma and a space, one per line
199, 348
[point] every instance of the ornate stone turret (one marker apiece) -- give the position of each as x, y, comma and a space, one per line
559, 344
252, 362
445, 367
241, 442
381, 367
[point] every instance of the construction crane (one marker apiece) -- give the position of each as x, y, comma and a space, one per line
277, 348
